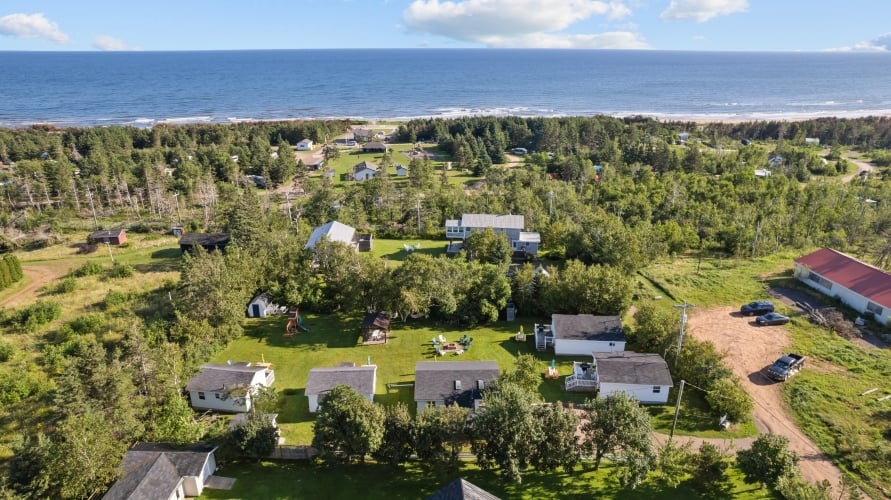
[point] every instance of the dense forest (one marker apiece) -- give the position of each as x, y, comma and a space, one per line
608, 196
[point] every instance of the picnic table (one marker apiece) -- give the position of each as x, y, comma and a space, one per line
453, 347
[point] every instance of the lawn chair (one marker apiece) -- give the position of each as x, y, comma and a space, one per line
438, 351
467, 345
435, 341
442, 339
463, 339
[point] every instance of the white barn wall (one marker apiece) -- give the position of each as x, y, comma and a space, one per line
847, 296
566, 347
643, 393
212, 402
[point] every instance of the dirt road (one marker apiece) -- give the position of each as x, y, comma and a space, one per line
751, 349
854, 157
37, 277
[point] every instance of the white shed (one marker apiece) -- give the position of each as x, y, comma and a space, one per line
305, 145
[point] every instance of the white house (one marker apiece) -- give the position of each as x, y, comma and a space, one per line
305, 145
362, 134
511, 225
152, 470
865, 288
321, 380
401, 171
228, 387
365, 170
581, 334
644, 376
334, 231
260, 306
440, 383
812, 140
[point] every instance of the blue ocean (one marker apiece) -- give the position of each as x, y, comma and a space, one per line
145, 88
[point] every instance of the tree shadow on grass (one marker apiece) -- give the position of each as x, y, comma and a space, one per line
294, 407
401, 255
330, 331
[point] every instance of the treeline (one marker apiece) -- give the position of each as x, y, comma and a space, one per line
10, 270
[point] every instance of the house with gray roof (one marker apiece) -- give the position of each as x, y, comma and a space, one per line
441, 383
337, 231
374, 147
154, 471
644, 376
510, 225
228, 387
581, 334
321, 380
209, 241
461, 489
366, 170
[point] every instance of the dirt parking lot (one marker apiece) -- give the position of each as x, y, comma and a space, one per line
750, 349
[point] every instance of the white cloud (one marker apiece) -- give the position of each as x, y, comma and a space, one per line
110, 43
702, 10
518, 23
881, 43
31, 26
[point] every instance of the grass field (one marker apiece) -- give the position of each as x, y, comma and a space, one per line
277, 480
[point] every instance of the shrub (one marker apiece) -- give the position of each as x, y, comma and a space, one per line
113, 299
15, 387
32, 317
82, 325
7, 350
66, 285
121, 271
87, 269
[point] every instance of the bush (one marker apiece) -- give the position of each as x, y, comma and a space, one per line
121, 271
34, 316
66, 285
7, 350
113, 299
15, 387
82, 325
87, 269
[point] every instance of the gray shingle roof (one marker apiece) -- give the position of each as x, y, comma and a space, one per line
153, 471
204, 239
627, 367
109, 233
219, 377
493, 221
323, 379
587, 327
334, 231
366, 164
435, 380
459, 489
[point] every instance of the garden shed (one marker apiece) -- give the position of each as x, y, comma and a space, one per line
375, 328
112, 237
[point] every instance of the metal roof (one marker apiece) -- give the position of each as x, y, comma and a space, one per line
493, 221
855, 275
334, 231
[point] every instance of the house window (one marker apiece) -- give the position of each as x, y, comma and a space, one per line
874, 308
217, 395
431, 404
816, 278
201, 395
657, 389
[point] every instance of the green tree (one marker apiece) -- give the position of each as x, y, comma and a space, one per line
348, 427
489, 247
710, 472
257, 436
175, 422
795, 487
673, 463
616, 424
438, 436
483, 293
396, 445
557, 444
727, 397
85, 455
654, 329
767, 460
504, 434
525, 373
27, 473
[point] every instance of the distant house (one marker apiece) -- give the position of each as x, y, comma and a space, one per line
375, 328
261, 306
581, 334
644, 376
865, 288
316, 164
365, 170
305, 145
336, 231
151, 470
440, 383
321, 380
459, 489
228, 387
510, 225
519, 151
374, 147
812, 140
776, 161
362, 134
762, 172
401, 171
112, 237
683, 137
209, 241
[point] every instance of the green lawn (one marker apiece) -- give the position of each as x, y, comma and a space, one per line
370, 481
395, 249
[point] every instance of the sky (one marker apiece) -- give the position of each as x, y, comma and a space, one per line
699, 25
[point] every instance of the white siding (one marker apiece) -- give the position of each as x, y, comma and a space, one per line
849, 297
643, 393
212, 402
565, 347
364, 175
314, 401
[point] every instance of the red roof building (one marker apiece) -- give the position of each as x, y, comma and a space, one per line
862, 286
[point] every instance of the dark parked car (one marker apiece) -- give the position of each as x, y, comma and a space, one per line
773, 318
757, 308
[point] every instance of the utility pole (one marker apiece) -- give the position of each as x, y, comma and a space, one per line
551, 204
683, 307
419, 215
178, 214
677, 409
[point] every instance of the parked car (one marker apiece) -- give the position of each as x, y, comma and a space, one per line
785, 367
758, 307
773, 318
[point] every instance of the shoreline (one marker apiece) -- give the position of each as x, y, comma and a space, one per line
698, 118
